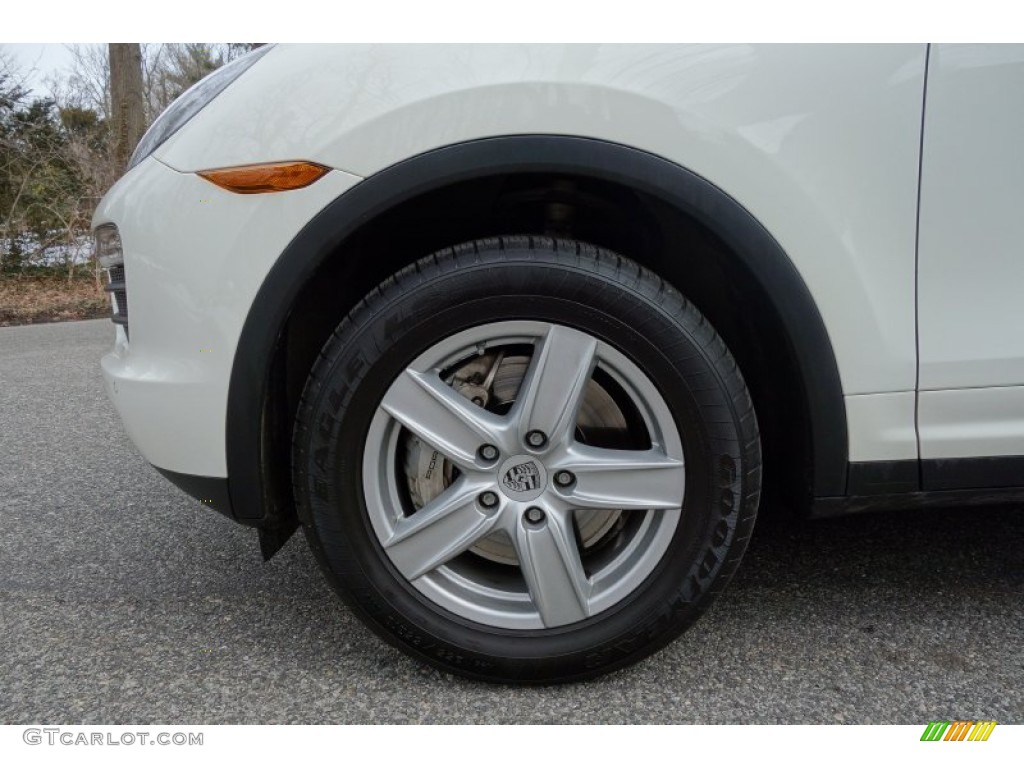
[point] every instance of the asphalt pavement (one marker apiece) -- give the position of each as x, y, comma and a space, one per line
124, 601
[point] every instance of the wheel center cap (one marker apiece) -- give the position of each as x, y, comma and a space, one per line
522, 478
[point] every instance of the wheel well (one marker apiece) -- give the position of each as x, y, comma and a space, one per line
605, 213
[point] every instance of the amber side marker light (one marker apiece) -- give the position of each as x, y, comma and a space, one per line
266, 177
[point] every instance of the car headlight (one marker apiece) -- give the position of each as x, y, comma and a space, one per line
186, 106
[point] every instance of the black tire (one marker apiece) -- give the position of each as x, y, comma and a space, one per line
561, 282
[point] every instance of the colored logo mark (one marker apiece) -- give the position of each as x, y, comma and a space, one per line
958, 730
522, 477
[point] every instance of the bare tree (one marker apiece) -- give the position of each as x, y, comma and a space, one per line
167, 70
126, 99
59, 155
86, 82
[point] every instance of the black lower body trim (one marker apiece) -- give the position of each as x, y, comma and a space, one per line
845, 505
869, 478
212, 491
913, 484
979, 472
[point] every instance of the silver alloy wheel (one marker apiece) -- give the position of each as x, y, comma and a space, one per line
518, 495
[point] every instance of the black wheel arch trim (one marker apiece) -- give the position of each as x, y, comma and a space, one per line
677, 186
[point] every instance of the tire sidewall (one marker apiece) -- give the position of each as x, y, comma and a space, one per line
417, 310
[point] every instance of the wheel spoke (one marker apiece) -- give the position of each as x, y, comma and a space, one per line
447, 526
614, 479
550, 395
440, 416
551, 565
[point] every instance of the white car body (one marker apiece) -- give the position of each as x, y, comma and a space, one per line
820, 144
866, 199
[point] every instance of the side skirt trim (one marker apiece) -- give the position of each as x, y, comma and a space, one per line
845, 505
928, 483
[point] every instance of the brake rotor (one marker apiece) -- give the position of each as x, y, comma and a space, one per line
492, 380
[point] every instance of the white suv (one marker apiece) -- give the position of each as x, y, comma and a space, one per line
521, 334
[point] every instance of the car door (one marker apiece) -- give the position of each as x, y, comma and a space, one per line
971, 269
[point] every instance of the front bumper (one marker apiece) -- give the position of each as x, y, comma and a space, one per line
194, 258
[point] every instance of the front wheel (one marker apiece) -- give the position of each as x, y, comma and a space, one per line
526, 460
